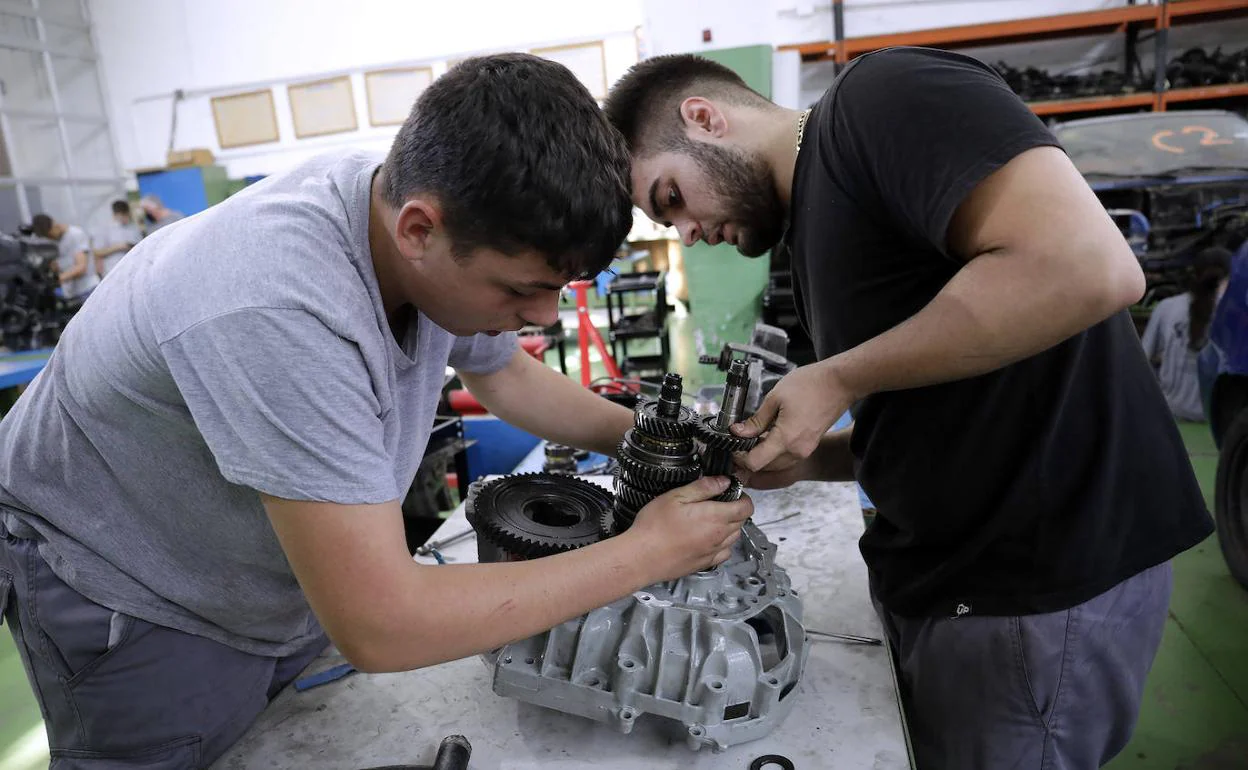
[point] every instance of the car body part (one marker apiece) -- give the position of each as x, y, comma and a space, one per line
715, 656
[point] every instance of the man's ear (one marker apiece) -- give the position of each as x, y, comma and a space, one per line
416, 226
703, 117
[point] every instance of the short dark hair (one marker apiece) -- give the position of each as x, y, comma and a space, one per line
519, 157
121, 207
41, 225
644, 105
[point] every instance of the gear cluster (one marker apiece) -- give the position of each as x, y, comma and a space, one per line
657, 455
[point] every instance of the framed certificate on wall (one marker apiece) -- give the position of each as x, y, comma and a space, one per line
245, 119
392, 92
323, 107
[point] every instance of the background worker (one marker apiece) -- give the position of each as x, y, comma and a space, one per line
121, 236
74, 264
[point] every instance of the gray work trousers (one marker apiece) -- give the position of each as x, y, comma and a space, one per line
1058, 691
119, 692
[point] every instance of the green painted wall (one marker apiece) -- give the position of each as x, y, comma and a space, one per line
725, 288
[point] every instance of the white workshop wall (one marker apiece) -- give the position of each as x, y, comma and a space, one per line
148, 48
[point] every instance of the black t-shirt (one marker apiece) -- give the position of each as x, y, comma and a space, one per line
1029, 489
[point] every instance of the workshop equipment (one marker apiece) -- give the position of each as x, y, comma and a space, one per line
716, 654
586, 331
765, 358
434, 545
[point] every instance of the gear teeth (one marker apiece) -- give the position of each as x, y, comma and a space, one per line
666, 475
708, 436
504, 524
632, 498
647, 420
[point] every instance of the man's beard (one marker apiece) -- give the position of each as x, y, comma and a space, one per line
744, 184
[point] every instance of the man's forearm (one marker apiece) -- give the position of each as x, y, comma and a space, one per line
991, 314
536, 398
480, 607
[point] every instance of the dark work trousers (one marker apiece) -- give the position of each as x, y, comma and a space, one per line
119, 692
1058, 691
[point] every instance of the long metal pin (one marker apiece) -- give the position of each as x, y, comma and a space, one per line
850, 638
428, 548
777, 521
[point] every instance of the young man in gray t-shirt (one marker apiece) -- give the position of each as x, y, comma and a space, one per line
208, 472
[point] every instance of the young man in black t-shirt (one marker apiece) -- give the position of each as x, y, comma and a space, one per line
965, 291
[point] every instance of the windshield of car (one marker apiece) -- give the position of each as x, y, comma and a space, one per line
1157, 144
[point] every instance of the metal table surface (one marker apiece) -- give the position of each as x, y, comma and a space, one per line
847, 715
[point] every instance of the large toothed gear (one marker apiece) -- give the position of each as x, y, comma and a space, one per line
531, 515
646, 418
630, 498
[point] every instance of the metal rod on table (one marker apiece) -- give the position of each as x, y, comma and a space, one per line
846, 637
431, 546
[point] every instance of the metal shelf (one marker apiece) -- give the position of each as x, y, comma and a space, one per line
1225, 91
1093, 104
995, 33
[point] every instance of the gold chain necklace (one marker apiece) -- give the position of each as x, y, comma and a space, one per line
801, 129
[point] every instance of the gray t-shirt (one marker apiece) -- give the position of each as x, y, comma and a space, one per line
246, 349
1166, 337
73, 241
115, 235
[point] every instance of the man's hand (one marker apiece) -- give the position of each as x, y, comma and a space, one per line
794, 416
686, 531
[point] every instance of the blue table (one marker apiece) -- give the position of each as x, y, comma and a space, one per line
21, 368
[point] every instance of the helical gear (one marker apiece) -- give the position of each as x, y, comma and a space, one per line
659, 476
647, 419
732, 493
711, 437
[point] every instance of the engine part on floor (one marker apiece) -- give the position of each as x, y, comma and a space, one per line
531, 515
453, 754
656, 455
716, 654
767, 760
713, 437
560, 460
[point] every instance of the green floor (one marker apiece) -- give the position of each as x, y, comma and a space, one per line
1195, 714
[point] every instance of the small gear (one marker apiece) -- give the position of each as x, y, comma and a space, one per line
665, 476
713, 438
532, 515
646, 419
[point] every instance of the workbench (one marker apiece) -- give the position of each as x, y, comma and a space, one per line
847, 715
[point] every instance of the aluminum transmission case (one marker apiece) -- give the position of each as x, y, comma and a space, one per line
718, 653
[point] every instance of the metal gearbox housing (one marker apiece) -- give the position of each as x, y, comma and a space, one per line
715, 656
